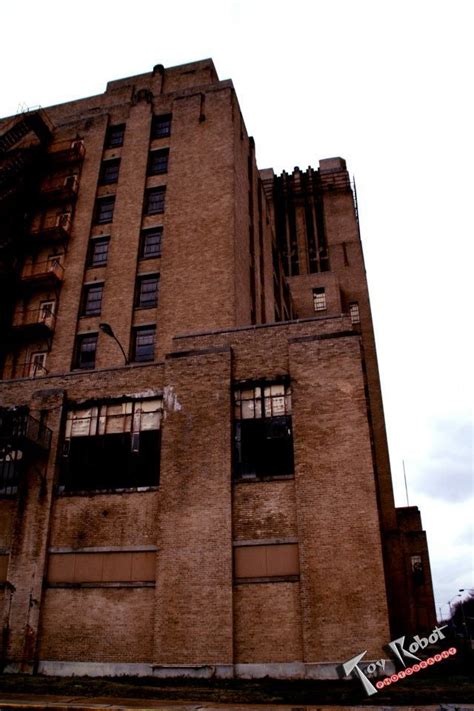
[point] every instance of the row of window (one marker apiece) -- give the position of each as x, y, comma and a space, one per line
150, 247
320, 304
142, 348
154, 204
117, 445
146, 295
157, 165
160, 128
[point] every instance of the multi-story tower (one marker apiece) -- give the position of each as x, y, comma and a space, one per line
194, 474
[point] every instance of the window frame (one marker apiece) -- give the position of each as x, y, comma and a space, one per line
139, 301
92, 245
262, 415
108, 164
156, 155
86, 301
80, 339
140, 331
319, 299
152, 192
109, 140
149, 233
160, 126
100, 204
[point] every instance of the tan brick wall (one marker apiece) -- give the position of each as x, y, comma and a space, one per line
267, 619
98, 625
264, 510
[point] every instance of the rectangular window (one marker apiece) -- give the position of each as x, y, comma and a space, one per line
144, 344
37, 364
417, 570
161, 126
158, 162
92, 299
112, 445
155, 201
114, 136
151, 243
263, 436
104, 210
86, 347
319, 299
266, 561
147, 291
354, 312
98, 251
109, 172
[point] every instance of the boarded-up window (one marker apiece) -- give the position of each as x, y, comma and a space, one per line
119, 567
266, 561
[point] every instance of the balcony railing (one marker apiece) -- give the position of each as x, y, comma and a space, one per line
34, 322
50, 271
19, 428
59, 189
53, 228
67, 152
27, 369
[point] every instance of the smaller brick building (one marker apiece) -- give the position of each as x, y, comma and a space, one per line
194, 475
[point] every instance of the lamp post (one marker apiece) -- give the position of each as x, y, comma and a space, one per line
107, 329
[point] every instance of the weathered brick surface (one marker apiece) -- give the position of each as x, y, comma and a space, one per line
267, 618
98, 625
264, 510
218, 236
105, 520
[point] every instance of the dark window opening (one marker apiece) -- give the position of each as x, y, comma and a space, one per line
151, 243
110, 447
158, 162
147, 291
92, 300
11, 461
114, 137
161, 126
417, 570
86, 347
104, 210
98, 252
155, 201
109, 172
263, 437
144, 344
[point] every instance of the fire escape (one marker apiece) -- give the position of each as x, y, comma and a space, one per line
39, 182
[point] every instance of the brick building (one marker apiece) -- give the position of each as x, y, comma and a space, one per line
194, 474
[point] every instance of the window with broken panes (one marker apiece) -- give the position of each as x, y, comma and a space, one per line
263, 435
110, 446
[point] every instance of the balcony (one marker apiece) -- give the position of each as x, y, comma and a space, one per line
59, 190
48, 273
27, 369
67, 152
21, 437
55, 228
34, 323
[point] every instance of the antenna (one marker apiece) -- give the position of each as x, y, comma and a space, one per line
405, 477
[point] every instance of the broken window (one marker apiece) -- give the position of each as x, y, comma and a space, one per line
263, 437
112, 446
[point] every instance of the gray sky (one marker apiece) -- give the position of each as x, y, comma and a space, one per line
386, 85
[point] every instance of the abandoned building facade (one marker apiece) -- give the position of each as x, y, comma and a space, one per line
194, 472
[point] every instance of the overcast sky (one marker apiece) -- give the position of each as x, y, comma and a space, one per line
386, 85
